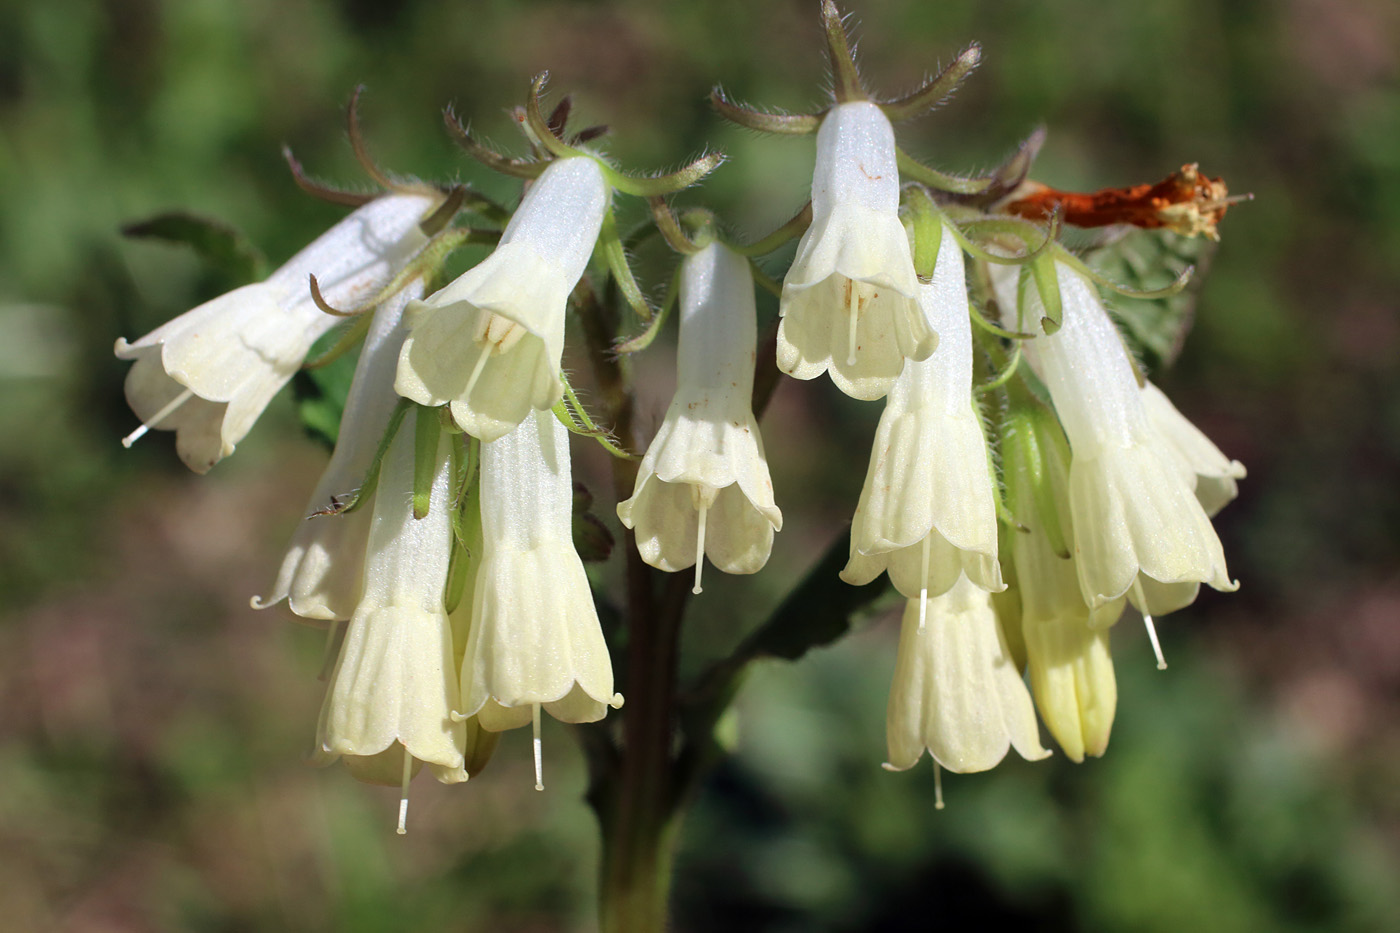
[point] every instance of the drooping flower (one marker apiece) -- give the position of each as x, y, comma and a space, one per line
490, 343
956, 689
1138, 527
703, 487
394, 687
1067, 644
321, 574
849, 303
210, 372
926, 512
1214, 477
535, 639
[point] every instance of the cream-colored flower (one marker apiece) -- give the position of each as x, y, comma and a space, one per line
535, 639
1137, 524
703, 487
322, 572
490, 343
394, 686
210, 372
926, 512
1067, 644
1214, 477
849, 303
956, 690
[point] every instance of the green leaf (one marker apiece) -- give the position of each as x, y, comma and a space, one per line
818, 612
217, 243
1145, 260
320, 394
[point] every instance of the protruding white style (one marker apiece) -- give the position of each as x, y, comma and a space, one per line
321, 574
926, 512
1214, 476
849, 302
210, 372
703, 487
490, 343
956, 690
1067, 643
1134, 513
535, 639
394, 686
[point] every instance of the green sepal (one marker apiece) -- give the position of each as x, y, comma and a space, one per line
942, 181
466, 520
615, 255
572, 415
790, 230
847, 85
925, 226
933, 92
657, 185
782, 124
217, 243
1047, 286
644, 339
371, 481
1034, 444
426, 432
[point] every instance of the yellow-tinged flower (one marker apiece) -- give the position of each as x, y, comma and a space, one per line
535, 639
926, 512
322, 573
209, 373
394, 686
703, 487
849, 303
1138, 527
1067, 643
1214, 477
490, 343
956, 689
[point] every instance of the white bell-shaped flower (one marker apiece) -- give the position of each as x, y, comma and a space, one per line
1067, 643
927, 513
322, 572
490, 343
1214, 476
1138, 527
535, 639
394, 686
210, 372
703, 487
956, 689
849, 303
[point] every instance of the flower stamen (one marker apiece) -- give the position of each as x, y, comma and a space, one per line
937, 785
403, 793
539, 748
923, 590
157, 418
700, 550
1151, 628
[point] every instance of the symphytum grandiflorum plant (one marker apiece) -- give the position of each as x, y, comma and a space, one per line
1026, 480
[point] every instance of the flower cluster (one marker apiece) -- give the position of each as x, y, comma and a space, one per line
1025, 483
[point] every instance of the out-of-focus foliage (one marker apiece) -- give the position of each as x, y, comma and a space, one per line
152, 724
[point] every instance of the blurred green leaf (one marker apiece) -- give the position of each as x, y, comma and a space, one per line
216, 242
1144, 260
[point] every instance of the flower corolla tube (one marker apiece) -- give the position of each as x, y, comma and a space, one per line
703, 488
927, 512
321, 574
1138, 528
956, 690
392, 693
535, 639
850, 299
209, 373
490, 343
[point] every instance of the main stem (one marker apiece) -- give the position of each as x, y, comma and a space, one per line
636, 804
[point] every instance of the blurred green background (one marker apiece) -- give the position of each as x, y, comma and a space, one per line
152, 727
